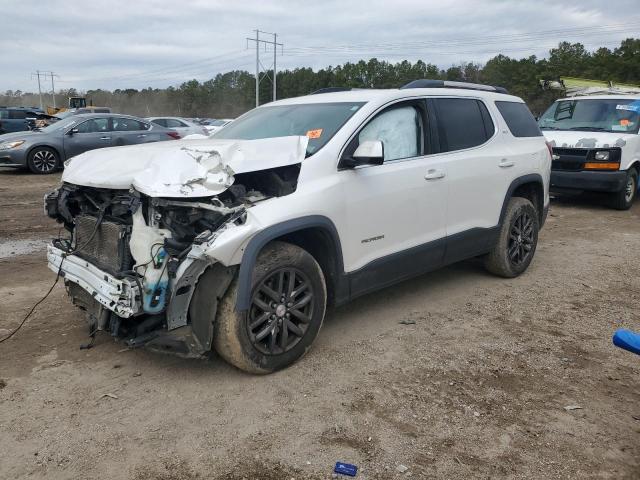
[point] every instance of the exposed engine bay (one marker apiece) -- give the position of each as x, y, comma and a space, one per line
132, 262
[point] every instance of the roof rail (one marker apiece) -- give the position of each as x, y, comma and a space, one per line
429, 83
331, 90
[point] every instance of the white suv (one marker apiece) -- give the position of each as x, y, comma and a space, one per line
239, 243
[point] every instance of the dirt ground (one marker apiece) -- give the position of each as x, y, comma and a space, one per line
456, 374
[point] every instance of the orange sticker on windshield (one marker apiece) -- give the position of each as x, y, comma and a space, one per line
314, 133
625, 122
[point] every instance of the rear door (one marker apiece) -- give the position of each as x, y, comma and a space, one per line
179, 126
16, 122
129, 131
88, 135
479, 171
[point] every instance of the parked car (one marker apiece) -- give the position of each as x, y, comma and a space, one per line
18, 119
45, 150
596, 145
181, 125
213, 125
240, 242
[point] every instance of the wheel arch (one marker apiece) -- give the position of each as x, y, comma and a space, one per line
317, 235
530, 187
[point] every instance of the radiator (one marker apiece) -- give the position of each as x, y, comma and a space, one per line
108, 248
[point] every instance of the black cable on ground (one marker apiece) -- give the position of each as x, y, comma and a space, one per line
70, 252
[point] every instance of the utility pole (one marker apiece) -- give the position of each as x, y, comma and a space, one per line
53, 90
275, 45
39, 88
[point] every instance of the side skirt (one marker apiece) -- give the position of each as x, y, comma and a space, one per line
397, 267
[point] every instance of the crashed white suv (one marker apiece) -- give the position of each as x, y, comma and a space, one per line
239, 243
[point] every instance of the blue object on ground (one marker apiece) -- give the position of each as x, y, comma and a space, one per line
627, 340
346, 469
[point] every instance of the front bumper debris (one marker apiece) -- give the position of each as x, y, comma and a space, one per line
118, 295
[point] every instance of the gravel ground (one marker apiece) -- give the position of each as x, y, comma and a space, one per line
455, 374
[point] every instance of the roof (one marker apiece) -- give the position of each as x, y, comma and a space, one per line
389, 94
611, 96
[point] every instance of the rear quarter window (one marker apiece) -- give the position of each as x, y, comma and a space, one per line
519, 119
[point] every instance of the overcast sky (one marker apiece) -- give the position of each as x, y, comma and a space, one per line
140, 43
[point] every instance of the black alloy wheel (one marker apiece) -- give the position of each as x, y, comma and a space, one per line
521, 239
281, 311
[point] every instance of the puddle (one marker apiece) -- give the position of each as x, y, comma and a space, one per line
12, 248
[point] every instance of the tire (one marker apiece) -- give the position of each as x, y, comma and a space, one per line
513, 252
43, 160
254, 340
623, 199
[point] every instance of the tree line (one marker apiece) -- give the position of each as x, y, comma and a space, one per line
230, 94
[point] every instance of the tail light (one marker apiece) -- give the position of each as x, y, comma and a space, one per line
174, 135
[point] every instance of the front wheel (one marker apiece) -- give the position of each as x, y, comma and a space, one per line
288, 302
516, 245
623, 199
43, 160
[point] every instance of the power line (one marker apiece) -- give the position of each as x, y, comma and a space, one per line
274, 43
44, 75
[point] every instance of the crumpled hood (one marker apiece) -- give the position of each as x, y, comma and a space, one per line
189, 168
582, 139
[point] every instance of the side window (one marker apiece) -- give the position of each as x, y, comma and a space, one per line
95, 125
461, 123
400, 130
17, 114
519, 119
128, 125
173, 123
161, 121
4, 114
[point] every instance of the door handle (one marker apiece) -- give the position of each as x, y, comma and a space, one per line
105, 138
504, 163
142, 135
433, 174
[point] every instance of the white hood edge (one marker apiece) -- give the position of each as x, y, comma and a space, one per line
182, 169
583, 139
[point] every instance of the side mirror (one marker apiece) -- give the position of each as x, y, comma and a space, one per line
369, 152
72, 131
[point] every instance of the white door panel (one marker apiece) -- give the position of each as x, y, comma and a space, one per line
392, 207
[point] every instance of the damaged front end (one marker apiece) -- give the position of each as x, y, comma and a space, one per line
132, 261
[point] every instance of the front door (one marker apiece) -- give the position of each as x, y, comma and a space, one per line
395, 212
88, 135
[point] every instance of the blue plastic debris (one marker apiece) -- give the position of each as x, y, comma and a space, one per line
627, 340
346, 469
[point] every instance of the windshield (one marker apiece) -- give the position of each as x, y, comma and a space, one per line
317, 121
619, 115
60, 125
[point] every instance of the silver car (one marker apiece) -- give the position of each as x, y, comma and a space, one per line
181, 125
44, 151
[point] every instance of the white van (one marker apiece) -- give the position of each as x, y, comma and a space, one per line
596, 146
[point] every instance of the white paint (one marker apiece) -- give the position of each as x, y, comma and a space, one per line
192, 168
629, 143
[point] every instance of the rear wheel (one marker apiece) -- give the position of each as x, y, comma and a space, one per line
288, 301
623, 199
516, 245
43, 160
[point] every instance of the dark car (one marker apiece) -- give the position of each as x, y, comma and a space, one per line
19, 119
44, 151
